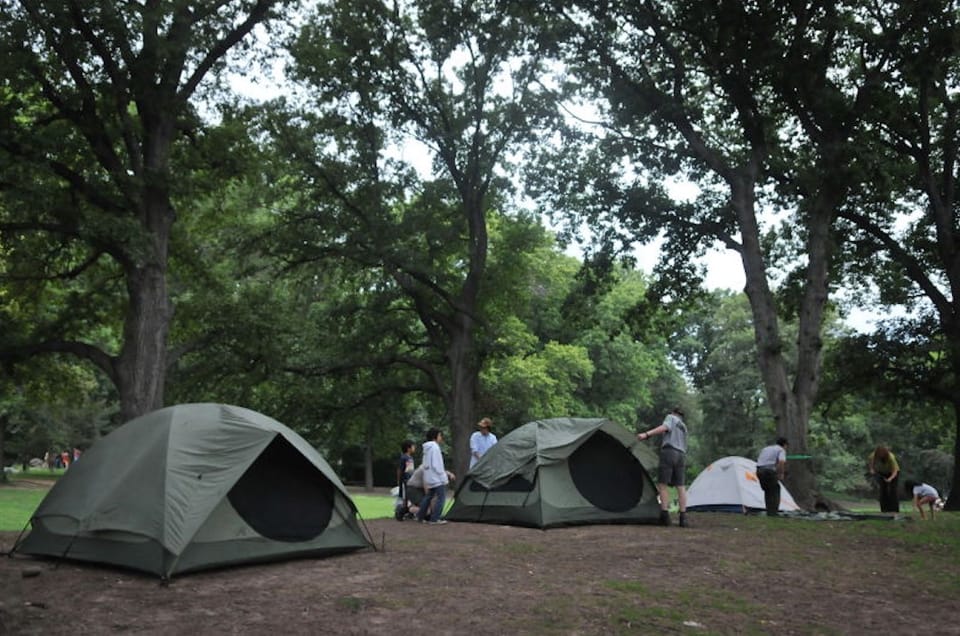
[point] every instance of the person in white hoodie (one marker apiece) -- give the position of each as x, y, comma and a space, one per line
435, 478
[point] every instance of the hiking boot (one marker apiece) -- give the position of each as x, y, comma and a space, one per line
664, 518
683, 520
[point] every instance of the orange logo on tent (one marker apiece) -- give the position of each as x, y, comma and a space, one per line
750, 476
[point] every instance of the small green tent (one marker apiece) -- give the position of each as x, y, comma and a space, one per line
195, 486
562, 471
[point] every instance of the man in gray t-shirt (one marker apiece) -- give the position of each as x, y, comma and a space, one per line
673, 454
771, 467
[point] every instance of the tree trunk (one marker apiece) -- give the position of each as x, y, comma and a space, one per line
368, 457
464, 372
462, 354
790, 403
4, 418
953, 499
142, 364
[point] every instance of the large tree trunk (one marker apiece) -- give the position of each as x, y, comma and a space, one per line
790, 403
142, 363
464, 373
462, 355
368, 457
953, 498
4, 418
790, 411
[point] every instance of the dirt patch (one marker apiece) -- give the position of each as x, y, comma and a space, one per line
727, 574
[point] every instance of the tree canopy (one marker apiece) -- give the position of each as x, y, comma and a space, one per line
367, 254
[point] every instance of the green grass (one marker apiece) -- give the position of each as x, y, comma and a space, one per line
632, 610
18, 504
373, 506
925, 552
38, 474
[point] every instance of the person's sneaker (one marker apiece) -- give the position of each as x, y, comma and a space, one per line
683, 520
664, 518
437, 522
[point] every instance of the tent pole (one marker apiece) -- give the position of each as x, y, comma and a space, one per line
483, 504
19, 538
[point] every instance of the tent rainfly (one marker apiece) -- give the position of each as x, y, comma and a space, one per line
563, 471
195, 486
730, 484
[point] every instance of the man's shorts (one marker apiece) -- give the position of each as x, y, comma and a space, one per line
673, 465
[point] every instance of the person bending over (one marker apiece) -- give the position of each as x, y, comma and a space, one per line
673, 454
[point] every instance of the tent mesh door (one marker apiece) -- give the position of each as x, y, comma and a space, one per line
283, 496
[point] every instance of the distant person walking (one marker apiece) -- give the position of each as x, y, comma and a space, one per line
771, 466
481, 440
435, 478
885, 470
673, 465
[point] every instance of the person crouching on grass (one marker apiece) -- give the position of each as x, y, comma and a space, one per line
924, 495
673, 454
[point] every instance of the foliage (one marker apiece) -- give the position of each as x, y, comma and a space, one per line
437, 77
860, 405
96, 103
58, 405
883, 388
357, 259
717, 351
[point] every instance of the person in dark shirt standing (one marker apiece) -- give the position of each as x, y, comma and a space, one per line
405, 466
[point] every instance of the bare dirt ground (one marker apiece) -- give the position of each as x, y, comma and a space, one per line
728, 574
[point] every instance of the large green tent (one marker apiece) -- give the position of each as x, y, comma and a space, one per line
195, 486
561, 471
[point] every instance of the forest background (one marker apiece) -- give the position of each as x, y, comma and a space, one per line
438, 218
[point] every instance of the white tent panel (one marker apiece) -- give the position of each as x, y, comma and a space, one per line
731, 483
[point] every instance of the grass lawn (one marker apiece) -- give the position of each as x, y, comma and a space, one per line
17, 504
373, 506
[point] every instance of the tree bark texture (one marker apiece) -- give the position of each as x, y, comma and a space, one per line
790, 402
464, 371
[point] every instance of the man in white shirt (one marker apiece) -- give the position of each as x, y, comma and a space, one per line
481, 440
435, 478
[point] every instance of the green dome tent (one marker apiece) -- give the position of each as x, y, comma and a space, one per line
562, 471
195, 486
